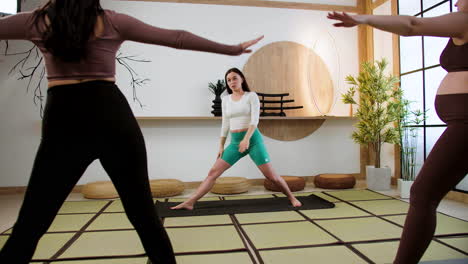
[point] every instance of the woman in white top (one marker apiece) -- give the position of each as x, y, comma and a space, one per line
241, 111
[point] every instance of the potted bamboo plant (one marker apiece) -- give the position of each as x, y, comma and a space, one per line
378, 109
217, 89
409, 120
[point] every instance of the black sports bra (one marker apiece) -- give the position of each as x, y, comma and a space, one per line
454, 57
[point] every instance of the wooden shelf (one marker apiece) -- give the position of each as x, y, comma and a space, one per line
261, 118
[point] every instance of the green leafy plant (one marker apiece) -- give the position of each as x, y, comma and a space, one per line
378, 108
218, 88
408, 130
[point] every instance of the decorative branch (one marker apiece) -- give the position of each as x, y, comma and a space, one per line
123, 60
33, 55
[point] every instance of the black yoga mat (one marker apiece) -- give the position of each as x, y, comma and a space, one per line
243, 206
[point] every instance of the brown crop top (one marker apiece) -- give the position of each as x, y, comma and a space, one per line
454, 57
100, 62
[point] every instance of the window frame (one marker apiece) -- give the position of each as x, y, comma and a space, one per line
18, 9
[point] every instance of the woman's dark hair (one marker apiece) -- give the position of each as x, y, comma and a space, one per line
71, 25
245, 86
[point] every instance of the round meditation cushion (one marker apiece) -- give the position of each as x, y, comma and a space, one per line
231, 185
334, 181
295, 184
166, 187
99, 190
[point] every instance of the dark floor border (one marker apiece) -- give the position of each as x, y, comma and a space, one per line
246, 243
249, 241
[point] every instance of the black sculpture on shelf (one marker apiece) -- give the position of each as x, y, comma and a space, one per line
217, 89
281, 108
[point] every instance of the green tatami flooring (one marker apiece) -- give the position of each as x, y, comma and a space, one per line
364, 227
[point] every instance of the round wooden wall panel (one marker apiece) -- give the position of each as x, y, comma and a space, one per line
289, 67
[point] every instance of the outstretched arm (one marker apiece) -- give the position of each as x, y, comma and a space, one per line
133, 29
453, 25
16, 26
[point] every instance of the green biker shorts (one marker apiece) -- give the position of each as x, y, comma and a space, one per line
256, 150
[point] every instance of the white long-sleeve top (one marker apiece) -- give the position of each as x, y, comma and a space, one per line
240, 114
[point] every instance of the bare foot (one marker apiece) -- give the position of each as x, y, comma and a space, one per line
296, 203
184, 205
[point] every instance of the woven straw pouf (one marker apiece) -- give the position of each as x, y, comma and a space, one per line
335, 181
166, 187
99, 190
294, 183
231, 185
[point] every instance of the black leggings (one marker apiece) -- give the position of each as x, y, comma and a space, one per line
84, 122
444, 168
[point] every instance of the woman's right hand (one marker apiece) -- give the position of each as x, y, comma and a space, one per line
220, 153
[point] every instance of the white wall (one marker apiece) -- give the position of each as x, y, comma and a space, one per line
326, 2
186, 149
383, 48
179, 79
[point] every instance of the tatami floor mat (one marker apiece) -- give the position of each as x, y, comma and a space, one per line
457, 242
361, 229
82, 207
269, 217
213, 238
357, 195
292, 236
110, 221
385, 252
50, 244
69, 222
117, 207
398, 219
286, 234
447, 261
341, 210
384, 207
445, 224
108, 243
225, 258
3, 239
316, 255
197, 220
105, 261
450, 225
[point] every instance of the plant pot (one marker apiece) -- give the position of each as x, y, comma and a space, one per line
378, 179
404, 187
217, 111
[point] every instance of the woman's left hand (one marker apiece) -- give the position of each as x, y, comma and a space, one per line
246, 45
244, 145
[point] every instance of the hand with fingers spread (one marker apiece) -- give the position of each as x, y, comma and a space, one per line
346, 20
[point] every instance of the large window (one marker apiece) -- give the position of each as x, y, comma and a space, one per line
9, 7
421, 73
